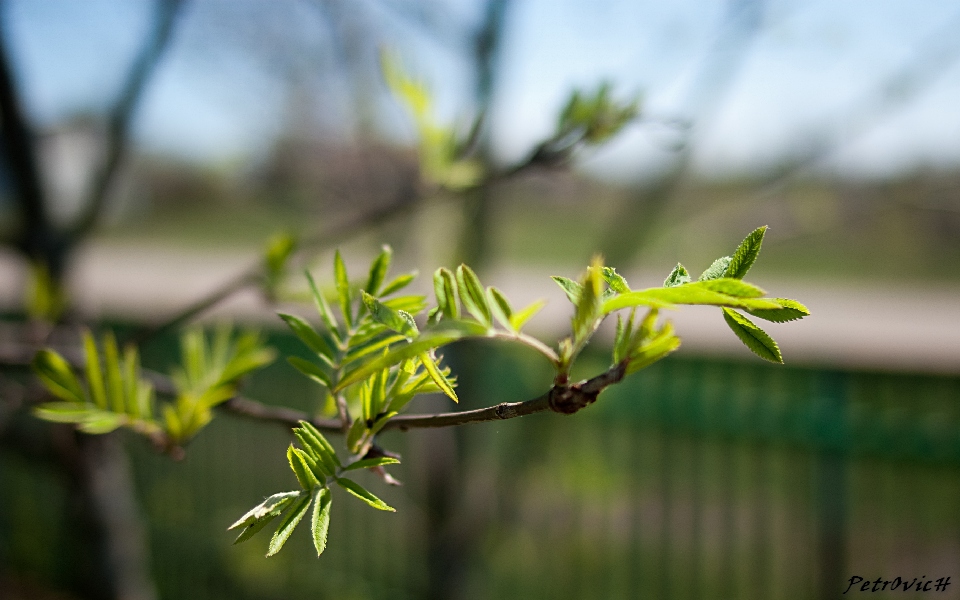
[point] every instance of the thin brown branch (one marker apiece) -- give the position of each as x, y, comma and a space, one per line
122, 114
252, 409
239, 283
560, 399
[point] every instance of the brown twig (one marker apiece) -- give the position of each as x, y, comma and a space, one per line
560, 399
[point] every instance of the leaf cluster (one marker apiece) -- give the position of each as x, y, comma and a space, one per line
115, 393
444, 159
209, 373
315, 465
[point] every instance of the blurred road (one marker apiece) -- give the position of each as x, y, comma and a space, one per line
886, 327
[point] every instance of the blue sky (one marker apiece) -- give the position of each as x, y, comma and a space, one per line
809, 72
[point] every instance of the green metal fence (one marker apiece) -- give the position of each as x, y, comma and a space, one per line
693, 479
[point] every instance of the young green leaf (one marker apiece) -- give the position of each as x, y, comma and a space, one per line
472, 295
343, 287
689, 293
616, 281
111, 364
398, 283
55, 373
288, 524
502, 310
321, 446
323, 309
378, 271
100, 422
662, 344
370, 347
273, 505
752, 336
301, 468
589, 305
320, 522
746, 254
570, 287
428, 340
732, 287
715, 270
624, 333
131, 369
790, 310
254, 528
357, 490
94, 374
279, 249
64, 412
412, 304
437, 376
368, 463
320, 468
311, 370
678, 276
399, 321
520, 318
309, 336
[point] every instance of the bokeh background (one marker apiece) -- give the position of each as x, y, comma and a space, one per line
709, 475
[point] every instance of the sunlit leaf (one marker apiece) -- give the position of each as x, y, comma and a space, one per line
570, 287
678, 276
289, 523
94, 374
445, 289
616, 281
790, 310
746, 254
437, 376
343, 287
520, 318
472, 295
752, 336
378, 271
357, 490
368, 463
55, 373
716, 269
311, 370
320, 523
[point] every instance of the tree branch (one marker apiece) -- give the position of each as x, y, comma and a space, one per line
21, 160
122, 114
560, 399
